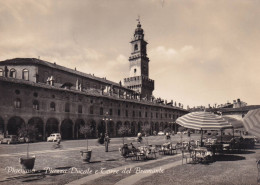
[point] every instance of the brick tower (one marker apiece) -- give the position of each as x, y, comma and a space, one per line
139, 66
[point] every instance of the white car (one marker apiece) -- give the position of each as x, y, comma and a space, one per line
54, 137
160, 133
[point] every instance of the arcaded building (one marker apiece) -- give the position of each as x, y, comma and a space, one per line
58, 99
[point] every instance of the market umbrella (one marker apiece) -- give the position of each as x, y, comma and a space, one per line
203, 121
251, 122
234, 121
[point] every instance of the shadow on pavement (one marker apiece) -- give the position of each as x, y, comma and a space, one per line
93, 162
228, 158
243, 152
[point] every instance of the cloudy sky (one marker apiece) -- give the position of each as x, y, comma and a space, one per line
201, 52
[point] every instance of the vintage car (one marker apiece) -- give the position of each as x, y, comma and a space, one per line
161, 133
9, 139
54, 137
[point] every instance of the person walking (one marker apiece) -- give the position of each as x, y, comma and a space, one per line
107, 140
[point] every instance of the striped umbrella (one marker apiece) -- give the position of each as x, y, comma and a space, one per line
203, 121
251, 122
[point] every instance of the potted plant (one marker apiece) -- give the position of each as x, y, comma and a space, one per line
28, 132
123, 131
86, 154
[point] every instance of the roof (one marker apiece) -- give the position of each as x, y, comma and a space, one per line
34, 61
88, 92
240, 109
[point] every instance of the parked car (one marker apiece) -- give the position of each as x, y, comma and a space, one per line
10, 139
26, 140
160, 133
54, 137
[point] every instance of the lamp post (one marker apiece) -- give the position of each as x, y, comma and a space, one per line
106, 119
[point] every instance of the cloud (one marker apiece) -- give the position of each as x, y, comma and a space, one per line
200, 52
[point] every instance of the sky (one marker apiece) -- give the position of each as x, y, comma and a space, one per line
201, 51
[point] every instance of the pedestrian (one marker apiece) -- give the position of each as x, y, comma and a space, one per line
107, 140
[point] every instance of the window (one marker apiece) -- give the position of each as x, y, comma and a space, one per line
101, 112
136, 47
35, 105
1, 72
166, 115
17, 91
140, 114
67, 107
17, 103
35, 94
80, 109
110, 112
151, 115
25, 74
161, 115
146, 114
13, 73
91, 110
156, 114
133, 113
53, 106
134, 70
126, 113
118, 112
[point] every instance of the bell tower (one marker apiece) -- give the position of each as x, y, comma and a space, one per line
139, 65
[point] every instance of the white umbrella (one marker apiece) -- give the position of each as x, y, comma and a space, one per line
251, 122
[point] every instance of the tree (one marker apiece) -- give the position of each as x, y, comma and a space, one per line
123, 131
85, 130
28, 132
146, 129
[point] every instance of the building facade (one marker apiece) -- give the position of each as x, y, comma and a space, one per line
57, 99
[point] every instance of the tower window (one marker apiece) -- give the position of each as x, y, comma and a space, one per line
134, 70
136, 47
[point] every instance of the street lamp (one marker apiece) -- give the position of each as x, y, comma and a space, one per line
106, 119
